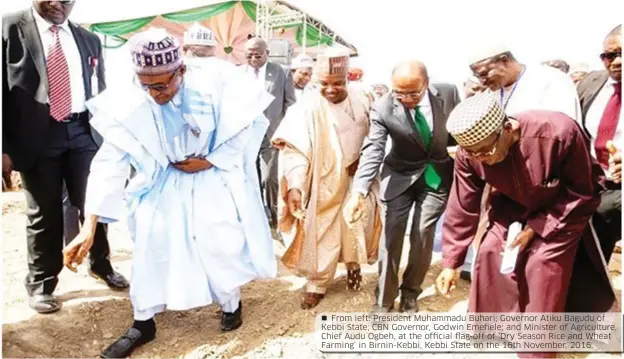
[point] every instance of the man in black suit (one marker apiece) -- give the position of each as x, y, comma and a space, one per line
417, 173
600, 94
50, 68
278, 82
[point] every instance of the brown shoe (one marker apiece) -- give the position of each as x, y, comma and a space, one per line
354, 279
311, 300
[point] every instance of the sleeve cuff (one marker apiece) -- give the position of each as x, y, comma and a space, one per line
453, 263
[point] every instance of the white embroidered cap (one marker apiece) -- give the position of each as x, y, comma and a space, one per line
474, 119
199, 35
486, 47
302, 61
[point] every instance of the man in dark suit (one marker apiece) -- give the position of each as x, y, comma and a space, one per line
50, 68
600, 94
277, 81
416, 173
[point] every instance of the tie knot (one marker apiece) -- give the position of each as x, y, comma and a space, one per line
618, 88
54, 29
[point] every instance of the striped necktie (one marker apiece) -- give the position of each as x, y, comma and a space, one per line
58, 79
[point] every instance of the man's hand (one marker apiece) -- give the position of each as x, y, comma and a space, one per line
7, 164
353, 207
523, 238
193, 165
447, 281
294, 203
615, 162
353, 168
77, 250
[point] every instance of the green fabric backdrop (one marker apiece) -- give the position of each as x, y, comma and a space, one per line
117, 29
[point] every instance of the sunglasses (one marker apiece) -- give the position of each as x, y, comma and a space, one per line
162, 87
610, 56
492, 150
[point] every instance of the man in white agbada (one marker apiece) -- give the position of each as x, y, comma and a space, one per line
199, 43
521, 87
302, 67
194, 209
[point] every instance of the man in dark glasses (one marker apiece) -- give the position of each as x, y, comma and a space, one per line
50, 68
278, 82
193, 211
601, 102
521, 87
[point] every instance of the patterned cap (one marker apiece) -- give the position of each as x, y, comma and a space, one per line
155, 52
474, 119
333, 61
302, 61
199, 35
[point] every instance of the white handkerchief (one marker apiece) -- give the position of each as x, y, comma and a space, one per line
95, 85
510, 256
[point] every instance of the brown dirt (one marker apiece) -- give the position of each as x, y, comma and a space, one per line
93, 316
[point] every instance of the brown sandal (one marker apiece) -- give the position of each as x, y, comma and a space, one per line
354, 279
311, 300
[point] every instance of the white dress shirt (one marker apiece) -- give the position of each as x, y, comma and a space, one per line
72, 55
594, 115
261, 73
425, 108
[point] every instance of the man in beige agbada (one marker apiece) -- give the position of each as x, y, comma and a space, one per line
319, 142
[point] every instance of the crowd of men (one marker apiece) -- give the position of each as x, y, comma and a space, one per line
209, 163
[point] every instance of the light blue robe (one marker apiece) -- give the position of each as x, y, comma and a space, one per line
197, 237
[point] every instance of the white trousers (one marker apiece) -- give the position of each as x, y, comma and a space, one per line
147, 314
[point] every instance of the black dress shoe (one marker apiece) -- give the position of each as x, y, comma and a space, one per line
232, 321
465, 275
113, 280
44, 303
124, 346
408, 305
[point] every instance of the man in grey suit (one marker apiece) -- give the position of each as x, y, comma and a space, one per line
278, 82
417, 173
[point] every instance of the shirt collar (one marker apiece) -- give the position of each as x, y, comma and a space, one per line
610, 82
45, 25
424, 101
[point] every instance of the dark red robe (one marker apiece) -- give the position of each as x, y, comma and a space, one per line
549, 182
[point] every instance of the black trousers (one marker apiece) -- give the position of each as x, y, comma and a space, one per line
607, 220
66, 157
428, 205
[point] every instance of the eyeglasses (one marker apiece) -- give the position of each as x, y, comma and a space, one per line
610, 56
492, 151
162, 87
414, 95
67, 2
256, 56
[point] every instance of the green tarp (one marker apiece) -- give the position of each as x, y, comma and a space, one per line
118, 29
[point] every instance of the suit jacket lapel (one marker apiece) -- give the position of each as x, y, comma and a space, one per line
405, 119
35, 47
592, 91
269, 77
439, 137
84, 57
